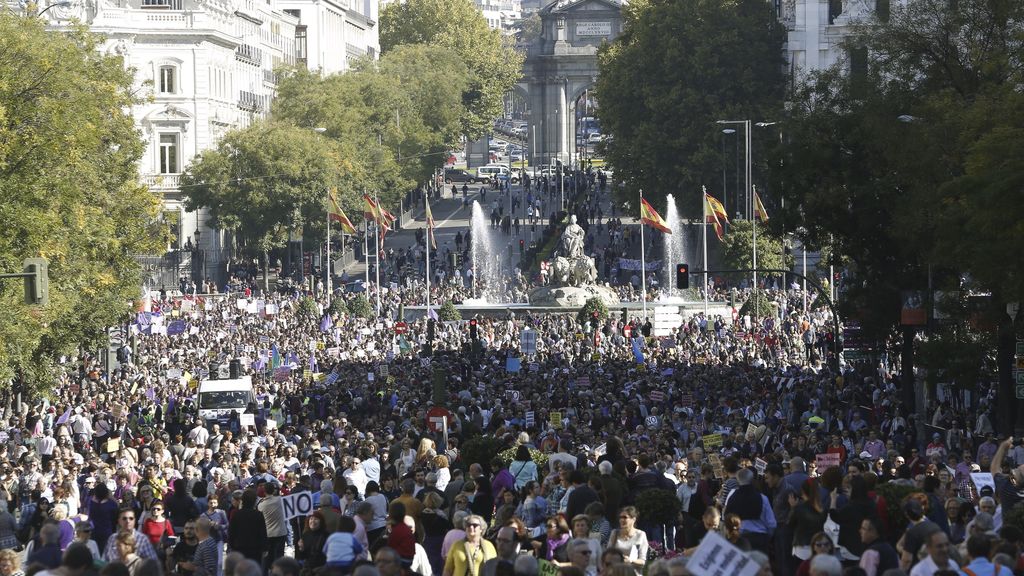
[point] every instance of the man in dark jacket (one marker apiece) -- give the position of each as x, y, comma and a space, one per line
247, 530
581, 495
48, 553
879, 555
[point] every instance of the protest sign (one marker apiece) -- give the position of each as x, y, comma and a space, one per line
716, 556
826, 461
712, 441
247, 419
297, 504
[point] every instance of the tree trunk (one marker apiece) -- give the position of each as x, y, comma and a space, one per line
266, 272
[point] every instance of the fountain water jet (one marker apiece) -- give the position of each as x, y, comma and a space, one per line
484, 253
674, 250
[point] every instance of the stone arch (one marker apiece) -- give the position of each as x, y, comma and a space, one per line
560, 66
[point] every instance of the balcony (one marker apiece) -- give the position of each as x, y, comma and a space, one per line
158, 182
251, 102
161, 4
249, 54
270, 77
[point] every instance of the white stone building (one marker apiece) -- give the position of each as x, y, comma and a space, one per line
816, 29
331, 33
501, 15
206, 67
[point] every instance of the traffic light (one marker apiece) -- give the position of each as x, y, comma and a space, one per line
472, 329
37, 284
522, 243
683, 276
455, 259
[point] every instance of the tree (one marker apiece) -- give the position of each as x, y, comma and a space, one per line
402, 114
69, 191
448, 312
591, 307
360, 307
676, 68
261, 181
456, 25
738, 244
909, 162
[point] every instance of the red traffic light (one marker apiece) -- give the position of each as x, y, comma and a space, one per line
683, 269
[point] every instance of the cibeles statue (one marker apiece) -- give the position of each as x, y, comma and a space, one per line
572, 240
573, 274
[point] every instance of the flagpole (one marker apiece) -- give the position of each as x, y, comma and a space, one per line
428, 238
753, 222
329, 255
376, 239
643, 261
366, 250
704, 210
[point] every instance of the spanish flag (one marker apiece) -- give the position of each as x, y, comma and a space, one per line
711, 215
430, 224
759, 208
374, 212
717, 209
650, 216
334, 212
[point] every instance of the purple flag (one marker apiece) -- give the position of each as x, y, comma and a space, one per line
64, 417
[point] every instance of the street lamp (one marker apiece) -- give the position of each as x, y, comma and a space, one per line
61, 4
726, 132
746, 176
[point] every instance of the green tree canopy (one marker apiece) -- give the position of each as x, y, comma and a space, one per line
905, 154
676, 68
69, 192
738, 247
261, 181
456, 25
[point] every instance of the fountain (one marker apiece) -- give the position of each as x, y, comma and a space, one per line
674, 250
486, 259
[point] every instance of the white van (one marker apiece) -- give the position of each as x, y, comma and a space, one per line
491, 170
218, 399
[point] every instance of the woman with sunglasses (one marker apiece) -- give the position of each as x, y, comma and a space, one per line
629, 539
820, 544
468, 555
156, 526
551, 545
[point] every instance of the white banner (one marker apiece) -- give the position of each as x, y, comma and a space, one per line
297, 504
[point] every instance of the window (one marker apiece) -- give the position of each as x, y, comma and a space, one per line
167, 77
168, 153
300, 43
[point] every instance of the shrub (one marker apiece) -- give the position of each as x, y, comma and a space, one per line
338, 306
586, 314
360, 307
765, 307
539, 458
308, 308
449, 313
657, 505
481, 450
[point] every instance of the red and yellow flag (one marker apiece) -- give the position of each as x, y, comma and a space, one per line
759, 208
712, 209
334, 212
650, 216
430, 224
374, 212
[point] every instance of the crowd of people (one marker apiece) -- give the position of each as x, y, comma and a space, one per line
571, 446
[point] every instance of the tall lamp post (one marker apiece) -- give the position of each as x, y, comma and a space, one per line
726, 132
61, 4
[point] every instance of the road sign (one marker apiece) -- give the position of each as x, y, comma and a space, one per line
401, 327
1020, 391
436, 418
1020, 377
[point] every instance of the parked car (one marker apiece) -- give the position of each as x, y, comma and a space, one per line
456, 175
